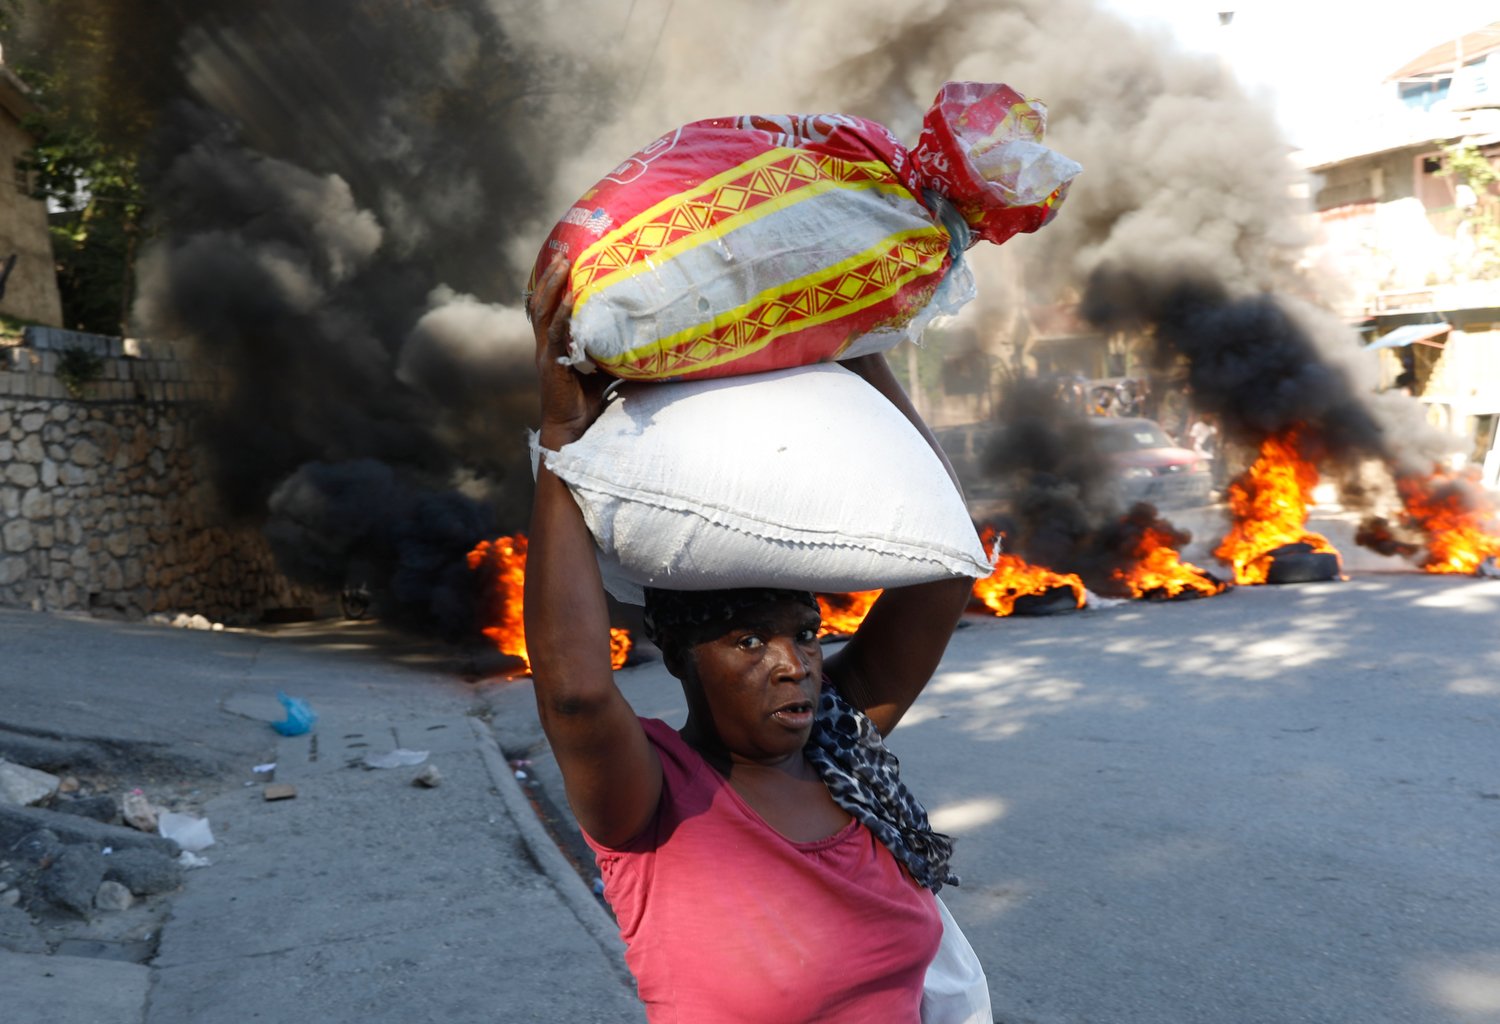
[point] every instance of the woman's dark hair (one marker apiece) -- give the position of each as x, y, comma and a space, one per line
675, 619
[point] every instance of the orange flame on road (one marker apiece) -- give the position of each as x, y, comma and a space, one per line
842, 613
1014, 577
503, 560
1158, 571
1269, 505
1458, 518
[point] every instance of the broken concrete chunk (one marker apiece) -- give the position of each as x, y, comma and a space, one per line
138, 812
25, 786
143, 872
113, 896
428, 778
19, 823
101, 807
40, 846
73, 879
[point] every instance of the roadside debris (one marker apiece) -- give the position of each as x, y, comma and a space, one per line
143, 872
25, 786
138, 812
100, 807
300, 717
398, 758
112, 896
182, 620
71, 877
87, 856
279, 791
428, 778
188, 832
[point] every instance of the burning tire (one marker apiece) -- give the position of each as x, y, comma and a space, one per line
1299, 563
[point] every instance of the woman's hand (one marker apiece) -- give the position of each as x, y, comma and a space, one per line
571, 401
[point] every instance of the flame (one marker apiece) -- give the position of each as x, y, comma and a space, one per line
1014, 577
1269, 505
842, 613
619, 646
503, 560
1157, 570
1457, 516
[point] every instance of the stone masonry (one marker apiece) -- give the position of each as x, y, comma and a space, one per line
105, 497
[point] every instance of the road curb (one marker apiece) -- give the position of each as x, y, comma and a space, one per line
549, 858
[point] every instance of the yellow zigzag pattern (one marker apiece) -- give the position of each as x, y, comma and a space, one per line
756, 188
862, 281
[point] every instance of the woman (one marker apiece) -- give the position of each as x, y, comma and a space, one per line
764, 862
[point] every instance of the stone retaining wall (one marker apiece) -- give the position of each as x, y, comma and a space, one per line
105, 499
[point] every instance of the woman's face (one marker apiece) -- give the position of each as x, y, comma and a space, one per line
759, 680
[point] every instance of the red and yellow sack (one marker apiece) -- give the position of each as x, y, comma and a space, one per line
742, 244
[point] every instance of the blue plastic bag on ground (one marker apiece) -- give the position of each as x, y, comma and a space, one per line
300, 717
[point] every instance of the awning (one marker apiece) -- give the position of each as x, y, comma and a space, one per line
1409, 334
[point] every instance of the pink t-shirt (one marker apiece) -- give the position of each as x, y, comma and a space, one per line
729, 922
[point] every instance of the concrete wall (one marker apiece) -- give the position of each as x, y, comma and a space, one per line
105, 497
31, 289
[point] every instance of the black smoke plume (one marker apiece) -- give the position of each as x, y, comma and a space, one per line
1058, 484
1063, 511
340, 194
1247, 359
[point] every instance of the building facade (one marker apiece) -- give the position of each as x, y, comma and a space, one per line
1411, 223
28, 274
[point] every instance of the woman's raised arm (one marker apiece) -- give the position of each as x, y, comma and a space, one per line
611, 772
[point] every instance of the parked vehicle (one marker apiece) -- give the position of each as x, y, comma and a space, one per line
1149, 466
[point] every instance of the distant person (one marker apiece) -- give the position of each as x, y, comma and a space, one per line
1204, 435
1207, 443
1104, 402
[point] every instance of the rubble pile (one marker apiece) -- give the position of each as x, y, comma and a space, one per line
75, 857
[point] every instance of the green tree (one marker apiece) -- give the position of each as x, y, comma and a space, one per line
88, 140
1472, 167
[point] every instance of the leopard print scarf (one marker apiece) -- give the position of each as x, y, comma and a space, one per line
864, 778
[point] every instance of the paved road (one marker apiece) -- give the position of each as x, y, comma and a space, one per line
364, 899
1279, 805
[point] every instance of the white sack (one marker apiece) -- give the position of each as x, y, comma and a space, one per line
804, 478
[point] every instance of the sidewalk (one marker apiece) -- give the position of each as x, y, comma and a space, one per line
362, 899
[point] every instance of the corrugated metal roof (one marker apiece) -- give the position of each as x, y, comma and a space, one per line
1444, 56
1409, 335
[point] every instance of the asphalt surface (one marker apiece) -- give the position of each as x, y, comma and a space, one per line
1277, 805
1280, 805
363, 898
